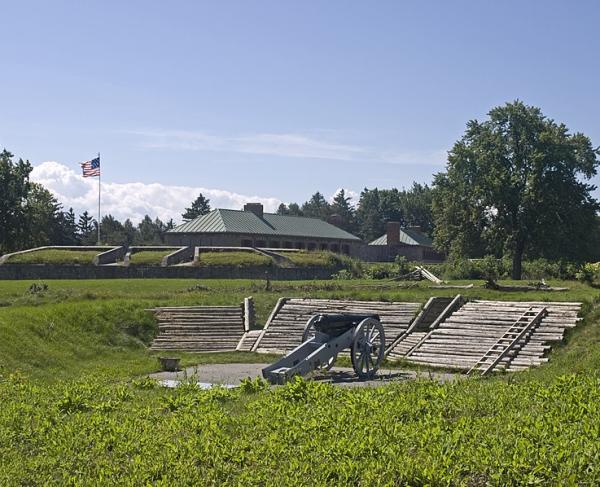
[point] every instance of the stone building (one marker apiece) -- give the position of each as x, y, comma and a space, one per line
411, 242
252, 227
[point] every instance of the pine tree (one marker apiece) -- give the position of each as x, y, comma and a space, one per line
200, 206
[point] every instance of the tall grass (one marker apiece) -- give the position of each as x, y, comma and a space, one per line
56, 256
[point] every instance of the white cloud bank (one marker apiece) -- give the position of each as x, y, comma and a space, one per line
133, 200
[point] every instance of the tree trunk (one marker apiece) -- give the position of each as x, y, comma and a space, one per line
517, 260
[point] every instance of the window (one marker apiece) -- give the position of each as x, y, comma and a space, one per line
335, 248
260, 243
346, 249
246, 243
299, 245
288, 245
324, 246
274, 244
311, 246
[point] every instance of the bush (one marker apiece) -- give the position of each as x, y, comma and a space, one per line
589, 273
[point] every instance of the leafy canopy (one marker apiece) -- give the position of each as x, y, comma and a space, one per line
515, 185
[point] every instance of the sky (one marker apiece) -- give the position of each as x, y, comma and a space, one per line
272, 101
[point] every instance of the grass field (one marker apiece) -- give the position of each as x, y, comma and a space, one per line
149, 257
75, 411
233, 258
316, 259
56, 256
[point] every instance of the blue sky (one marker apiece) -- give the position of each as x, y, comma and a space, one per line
275, 100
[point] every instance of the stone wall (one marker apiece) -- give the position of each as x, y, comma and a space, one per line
50, 271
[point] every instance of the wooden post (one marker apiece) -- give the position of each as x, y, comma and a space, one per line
249, 314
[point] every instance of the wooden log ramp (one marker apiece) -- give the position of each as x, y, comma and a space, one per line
484, 336
201, 328
285, 326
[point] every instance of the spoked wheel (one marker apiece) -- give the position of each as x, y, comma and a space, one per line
368, 347
309, 332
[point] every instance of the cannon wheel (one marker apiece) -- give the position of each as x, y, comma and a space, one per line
368, 346
309, 332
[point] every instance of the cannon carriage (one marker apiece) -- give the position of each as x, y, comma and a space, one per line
325, 336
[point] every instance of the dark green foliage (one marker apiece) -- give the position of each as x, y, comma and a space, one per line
411, 208
515, 186
467, 433
200, 206
344, 211
316, 207
14, 189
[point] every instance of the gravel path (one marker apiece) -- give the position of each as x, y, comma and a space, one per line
232, 374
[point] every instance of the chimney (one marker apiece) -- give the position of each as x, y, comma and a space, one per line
335, 220
256, 208
392, 230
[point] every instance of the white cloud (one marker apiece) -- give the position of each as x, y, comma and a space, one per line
283, 145
133, 200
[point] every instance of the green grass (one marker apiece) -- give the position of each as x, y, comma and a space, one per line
56, 256
77, 411
233, 258
149, 257
313, 259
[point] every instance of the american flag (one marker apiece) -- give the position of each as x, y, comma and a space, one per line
91, 168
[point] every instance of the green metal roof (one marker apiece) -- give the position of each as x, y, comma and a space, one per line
408, 236
246, 222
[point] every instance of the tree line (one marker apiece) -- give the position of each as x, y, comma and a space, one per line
516, 185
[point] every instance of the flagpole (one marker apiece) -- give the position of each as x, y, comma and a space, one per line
99, 186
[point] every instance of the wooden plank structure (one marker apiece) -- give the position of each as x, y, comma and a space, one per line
430, 313
199, 328
464, 339
248, 340
283, 331
509, 340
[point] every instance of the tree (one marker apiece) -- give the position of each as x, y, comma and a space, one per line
200, 206
515, 184
14, 188
150, 232
342, 207
294, 210
282, 209
43, 225
112, 231
68, 228
370, 219
86, 229
316, 207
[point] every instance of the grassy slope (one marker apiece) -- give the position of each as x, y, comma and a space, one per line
233, 258
149, 257
56, 256
77, 325
305, 258
537, 427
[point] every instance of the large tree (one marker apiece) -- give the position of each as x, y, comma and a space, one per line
316, 207
14, 189
200, 206
516, 185
342, 207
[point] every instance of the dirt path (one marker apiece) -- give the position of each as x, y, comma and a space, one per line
233, 374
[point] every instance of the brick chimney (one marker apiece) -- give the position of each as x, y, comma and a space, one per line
335, 220
392, 230
256, 208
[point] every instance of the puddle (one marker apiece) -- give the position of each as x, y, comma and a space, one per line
172, 383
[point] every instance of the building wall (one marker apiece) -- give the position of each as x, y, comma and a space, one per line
387, 253
352, 248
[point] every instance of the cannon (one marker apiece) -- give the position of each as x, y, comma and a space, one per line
327, 335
